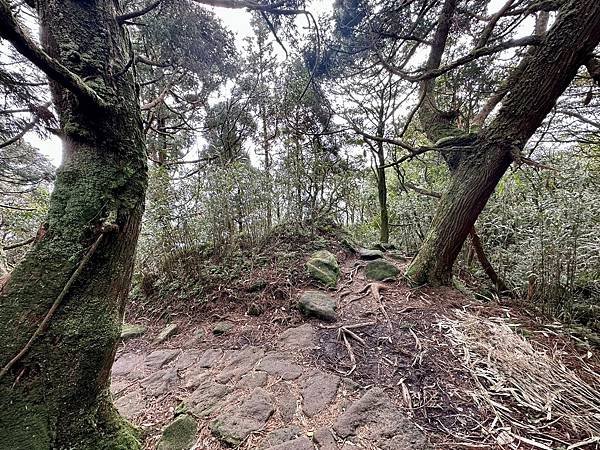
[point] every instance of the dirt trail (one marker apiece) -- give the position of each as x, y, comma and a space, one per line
385, 375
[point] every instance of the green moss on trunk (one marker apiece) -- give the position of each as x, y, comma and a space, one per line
57, 395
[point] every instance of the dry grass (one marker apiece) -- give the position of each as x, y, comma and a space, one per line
528, 387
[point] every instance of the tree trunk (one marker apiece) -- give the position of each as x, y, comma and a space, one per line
547, 74
486, 265
56, 396
384, 227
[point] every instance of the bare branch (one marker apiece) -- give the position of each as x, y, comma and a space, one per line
22, 133
472, 56
19, 244
580, 117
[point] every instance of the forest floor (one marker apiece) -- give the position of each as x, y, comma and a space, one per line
400, 368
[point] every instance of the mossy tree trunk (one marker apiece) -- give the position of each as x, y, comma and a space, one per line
57, 395
441, 126
546, 74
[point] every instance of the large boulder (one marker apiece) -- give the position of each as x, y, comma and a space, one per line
380, 270
317, 304
323, 267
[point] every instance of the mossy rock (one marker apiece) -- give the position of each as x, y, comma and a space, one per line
130, 331
323, 267
166, 333
221, 328
380, 270
257, 285
317, 304
179, 434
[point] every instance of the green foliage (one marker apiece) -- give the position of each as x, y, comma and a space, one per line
543, 226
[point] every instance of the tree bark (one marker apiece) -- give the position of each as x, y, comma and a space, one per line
384, 226
441, 125
547, 74
56, 396
486, 265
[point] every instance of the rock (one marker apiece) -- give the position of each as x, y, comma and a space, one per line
280, 365
281, 435
166, 333
378, 420
127, 364
317, 304
302, 443
324, 439
206, 397
361, 412
199, 335
384, 246
179, 434
131, 404
257, 285
159, 358
286, 404
117, 387
349, 386
129, 331
253, 380
160, 382
195, 376
323, 267
235, 424
367, 254
380, 270
398, 255
187, 359
221, 328
238, 363
299, 338
210, 357
254, 310
318, 391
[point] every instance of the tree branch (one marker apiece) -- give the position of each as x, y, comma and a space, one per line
580, 117
22, 133
132, 15
19, 244
472, 56
12, 32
